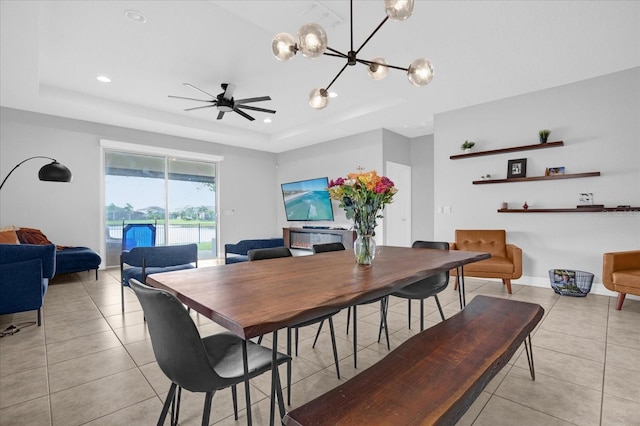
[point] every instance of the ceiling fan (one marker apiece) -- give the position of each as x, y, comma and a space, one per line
225, 102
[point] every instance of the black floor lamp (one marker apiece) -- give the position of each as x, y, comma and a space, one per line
52, 172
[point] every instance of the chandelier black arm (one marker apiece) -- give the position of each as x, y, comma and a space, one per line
368, 63
335, 53
336, 77
374, 31
20, 163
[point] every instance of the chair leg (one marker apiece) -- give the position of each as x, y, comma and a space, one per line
409, 317
167, 403
333, 343
439, 307
289, 366
507, 282
206, 414
355, 336
421, 314
318, 333
383, 313
621, 297
40, 315
455, 284
297, 335
122, 295
348, 318
175, 409
234, 397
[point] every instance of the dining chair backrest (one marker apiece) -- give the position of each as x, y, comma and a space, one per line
327, 247
268, 253
177, 345
442, 277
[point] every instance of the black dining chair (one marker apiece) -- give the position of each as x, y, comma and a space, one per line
328, 247
277, 252
427, 287
198, 364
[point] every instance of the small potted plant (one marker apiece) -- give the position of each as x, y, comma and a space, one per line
466, 146
544, 134
486, 177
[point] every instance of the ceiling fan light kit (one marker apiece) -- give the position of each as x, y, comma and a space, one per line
312, 43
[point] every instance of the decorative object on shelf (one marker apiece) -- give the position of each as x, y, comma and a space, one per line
546, 172
554, 171
504, 205
525, 205
466, 146
585, 199
544, 135
363, 195
312, 42
486, 177
52, 172
517, 168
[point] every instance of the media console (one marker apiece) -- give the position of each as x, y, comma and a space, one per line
305, 238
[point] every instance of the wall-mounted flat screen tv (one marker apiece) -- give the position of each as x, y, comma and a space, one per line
307, 200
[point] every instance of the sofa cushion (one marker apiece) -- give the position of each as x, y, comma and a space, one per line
9, 237
497, 265
491, 241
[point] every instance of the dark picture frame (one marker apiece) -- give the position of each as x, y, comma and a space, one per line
517, 168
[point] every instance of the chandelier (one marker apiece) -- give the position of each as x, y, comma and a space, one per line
312, 42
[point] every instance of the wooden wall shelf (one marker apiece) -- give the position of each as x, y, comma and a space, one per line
573, 210
526, 179
505, 150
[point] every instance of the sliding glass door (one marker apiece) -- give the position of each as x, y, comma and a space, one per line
177, 196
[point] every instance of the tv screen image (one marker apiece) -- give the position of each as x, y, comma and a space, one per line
307, 200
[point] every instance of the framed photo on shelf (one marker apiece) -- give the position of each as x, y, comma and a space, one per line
517, 168
556, 171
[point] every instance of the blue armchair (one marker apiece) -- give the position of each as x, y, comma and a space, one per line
25, 271
142, 261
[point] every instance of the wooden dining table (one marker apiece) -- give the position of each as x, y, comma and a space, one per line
254, 298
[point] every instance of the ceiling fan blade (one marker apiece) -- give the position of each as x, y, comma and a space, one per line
220, 115
247, 100
192, 99
244, 114
270, 111
199, 90
200, 107
228, 90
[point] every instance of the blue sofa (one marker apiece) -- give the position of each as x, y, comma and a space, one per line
25, 271
142, 261
239, 251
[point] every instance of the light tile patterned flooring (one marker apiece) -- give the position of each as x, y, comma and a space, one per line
91, 365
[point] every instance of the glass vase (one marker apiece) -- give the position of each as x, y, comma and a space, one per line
364, 248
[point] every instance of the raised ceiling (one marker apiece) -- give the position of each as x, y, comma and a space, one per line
52, 52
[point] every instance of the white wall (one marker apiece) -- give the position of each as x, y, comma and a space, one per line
422, 191
599, 122
69, 214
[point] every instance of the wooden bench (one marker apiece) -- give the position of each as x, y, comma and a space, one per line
433, 377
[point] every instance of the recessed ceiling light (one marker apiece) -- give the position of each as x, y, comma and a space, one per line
103, 79
333, 95
135, 16
267, 120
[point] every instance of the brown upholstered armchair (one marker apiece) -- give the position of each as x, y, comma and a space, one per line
621, 273
506, 259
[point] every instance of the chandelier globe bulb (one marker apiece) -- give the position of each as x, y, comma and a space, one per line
318, 98
312, 40
420, 72
376, 70
283, 47
398, 10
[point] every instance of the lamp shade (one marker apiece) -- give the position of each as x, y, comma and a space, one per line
55, 172
377, 71
312, 40
283, 46
398, 10
318, 98
420, 72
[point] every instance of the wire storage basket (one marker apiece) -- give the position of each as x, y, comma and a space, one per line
570, 282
